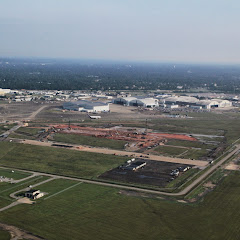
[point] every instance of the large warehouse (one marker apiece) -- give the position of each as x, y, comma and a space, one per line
214, 103
196, 103
137, 101
86, 106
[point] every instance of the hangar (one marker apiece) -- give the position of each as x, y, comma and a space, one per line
137, 101
214, 103
86, 106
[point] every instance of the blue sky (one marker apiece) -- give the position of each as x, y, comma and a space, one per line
149, 30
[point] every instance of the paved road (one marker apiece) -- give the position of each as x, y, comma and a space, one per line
20, 124
13, 195
9, 206
212, 169
119, 153
181, 193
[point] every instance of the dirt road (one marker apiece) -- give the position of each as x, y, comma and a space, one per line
34, 114
17, 233
120, 153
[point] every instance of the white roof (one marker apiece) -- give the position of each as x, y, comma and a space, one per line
182, 99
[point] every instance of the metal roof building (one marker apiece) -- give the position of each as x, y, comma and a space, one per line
86, 106
137, 101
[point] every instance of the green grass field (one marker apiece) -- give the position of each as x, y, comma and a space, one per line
57, 161
25, 133
93, 212
16, 175
189, 144
4, 235
169, 151
7, 188
88, 140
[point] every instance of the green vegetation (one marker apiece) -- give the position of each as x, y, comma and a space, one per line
15, 174
7, 188
4, 235
88, 140
57, 161
195, 153
208, 123
189, 144
56, 186
5, 127
25, 133
183, 178
172, 151
95, 212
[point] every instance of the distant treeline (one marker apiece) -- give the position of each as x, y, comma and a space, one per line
79, 75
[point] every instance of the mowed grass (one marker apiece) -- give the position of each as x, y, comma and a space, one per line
4, 235
7, 188
169, 151
57, 161
189, 144
16, 175
95, 212
89, 140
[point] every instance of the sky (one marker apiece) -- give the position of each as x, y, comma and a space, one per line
204, 31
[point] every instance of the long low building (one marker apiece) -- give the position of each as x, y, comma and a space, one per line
86, 106
196, 103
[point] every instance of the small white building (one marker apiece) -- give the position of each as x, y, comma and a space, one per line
171, 106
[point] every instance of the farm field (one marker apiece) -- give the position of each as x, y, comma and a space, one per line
57, 161
94, 212
89, 140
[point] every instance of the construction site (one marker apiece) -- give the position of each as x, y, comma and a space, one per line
136, 138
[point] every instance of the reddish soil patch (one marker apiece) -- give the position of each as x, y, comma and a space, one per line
142, 138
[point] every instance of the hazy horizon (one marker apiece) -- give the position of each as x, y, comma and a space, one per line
201, 32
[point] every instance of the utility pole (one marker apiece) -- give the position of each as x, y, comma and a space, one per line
146, 126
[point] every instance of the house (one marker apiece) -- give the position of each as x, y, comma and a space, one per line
34, 194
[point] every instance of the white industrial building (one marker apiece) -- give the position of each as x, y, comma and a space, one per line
86, 106
4, 91
173, 102
137, 101
180, 100
213, 103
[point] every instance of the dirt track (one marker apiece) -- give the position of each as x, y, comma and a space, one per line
121, 153
17, 233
